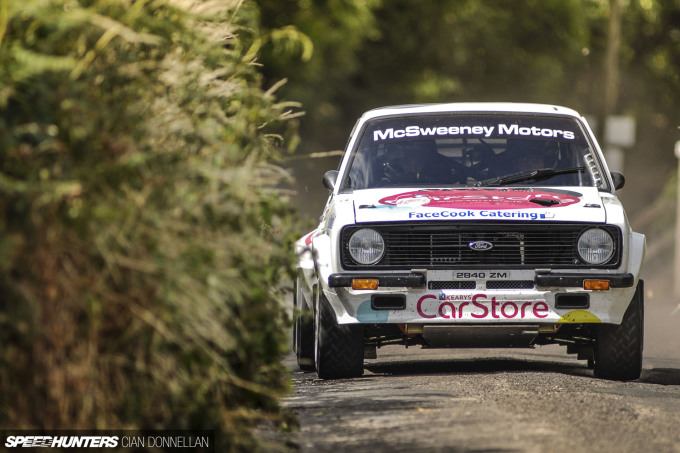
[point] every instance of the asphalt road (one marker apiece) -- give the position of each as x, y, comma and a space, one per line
501, 400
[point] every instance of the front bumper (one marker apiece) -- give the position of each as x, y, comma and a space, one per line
541, 280
519, 296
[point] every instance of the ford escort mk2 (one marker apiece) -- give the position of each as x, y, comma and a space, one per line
481, 225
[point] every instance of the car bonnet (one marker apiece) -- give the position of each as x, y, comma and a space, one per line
538, 204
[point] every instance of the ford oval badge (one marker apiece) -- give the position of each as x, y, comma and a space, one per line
480, 245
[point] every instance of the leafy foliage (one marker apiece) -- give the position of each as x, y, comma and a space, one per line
373, 53
337, 30
142, 236
406, 51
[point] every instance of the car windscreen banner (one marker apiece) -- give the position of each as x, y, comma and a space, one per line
471, 126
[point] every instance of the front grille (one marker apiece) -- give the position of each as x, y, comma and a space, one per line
447, 246
510, 284
451, 284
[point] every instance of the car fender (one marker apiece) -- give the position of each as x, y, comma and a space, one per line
636, 254
316, 250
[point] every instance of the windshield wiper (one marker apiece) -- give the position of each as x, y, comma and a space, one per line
537, 175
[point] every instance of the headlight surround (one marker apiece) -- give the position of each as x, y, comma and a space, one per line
366, 246
596, 246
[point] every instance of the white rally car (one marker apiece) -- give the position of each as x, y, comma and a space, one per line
471, 225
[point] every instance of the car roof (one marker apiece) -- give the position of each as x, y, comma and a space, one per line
472, 107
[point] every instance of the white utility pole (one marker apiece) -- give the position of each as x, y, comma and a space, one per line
676, 273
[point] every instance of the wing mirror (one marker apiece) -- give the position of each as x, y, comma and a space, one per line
329, 179
618, 179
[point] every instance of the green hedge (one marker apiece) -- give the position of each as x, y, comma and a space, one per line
142, 237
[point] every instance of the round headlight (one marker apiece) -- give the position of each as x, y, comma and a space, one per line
366, 246
595, 246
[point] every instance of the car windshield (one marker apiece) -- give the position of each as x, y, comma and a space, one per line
473, 150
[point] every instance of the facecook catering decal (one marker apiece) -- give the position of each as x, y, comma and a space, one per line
482, 204
480, 199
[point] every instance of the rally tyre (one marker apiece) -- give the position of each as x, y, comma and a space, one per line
618, 348
339, 348
303, 331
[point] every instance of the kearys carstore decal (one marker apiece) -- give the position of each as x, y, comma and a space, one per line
480, 307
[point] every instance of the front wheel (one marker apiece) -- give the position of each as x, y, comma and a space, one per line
303, 331
618, 348
339, 348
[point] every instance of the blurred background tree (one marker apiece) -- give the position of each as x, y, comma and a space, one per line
376, 52
144, 240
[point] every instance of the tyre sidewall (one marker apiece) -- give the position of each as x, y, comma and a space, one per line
303, 331
618, 348
338, 349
